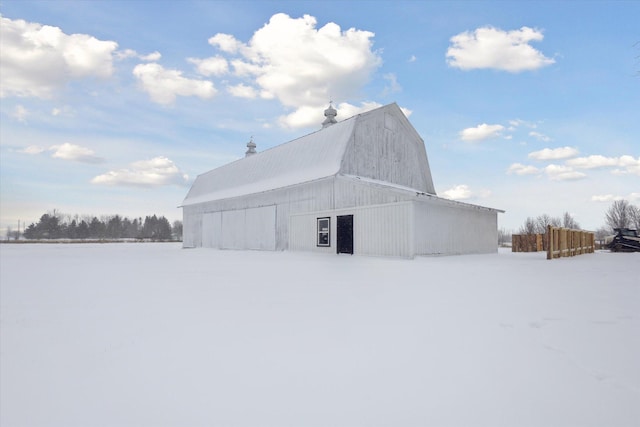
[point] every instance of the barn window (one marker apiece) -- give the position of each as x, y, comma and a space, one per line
323, 231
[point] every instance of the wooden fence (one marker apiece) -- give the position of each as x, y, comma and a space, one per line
565, 242
528, 242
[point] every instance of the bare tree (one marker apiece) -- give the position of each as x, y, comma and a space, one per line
569, 222
635, 216
504, 236
619, 214
529, 226
545, 220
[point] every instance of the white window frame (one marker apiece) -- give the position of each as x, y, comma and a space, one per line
323, 231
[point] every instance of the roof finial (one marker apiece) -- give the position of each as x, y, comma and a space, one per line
251, 148
330, 114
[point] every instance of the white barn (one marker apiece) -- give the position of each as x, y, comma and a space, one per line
359, 186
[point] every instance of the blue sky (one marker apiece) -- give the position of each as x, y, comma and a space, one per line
115, 107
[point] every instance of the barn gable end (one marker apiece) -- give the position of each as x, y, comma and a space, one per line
386, 147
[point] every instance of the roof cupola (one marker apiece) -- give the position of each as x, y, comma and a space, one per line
330, 114
251, 148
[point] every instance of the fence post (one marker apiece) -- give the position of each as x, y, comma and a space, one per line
565, 242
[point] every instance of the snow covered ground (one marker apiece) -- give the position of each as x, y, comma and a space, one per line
153, 335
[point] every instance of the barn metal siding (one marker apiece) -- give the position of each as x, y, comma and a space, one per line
383, 230
387, 148
448, 228
192, 228
353, 192
260, 228
380, 230
310, 196
212, 230
303, 232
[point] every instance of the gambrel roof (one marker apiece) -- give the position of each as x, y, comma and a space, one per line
380, 144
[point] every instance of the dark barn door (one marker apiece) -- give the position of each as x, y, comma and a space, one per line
345, 234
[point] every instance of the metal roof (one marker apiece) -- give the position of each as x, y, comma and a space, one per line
308, 158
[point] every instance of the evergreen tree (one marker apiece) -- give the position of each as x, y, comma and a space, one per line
96, 229
83, 230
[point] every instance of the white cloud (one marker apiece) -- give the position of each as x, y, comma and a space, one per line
464, 192
605, 198
413, 58
146, 173
459, 192
125, 54
592, 162
74, 152
393, 86
489, 47
226, 43
520, 169
554, 153
519, 122
130, 53
346, 110
66, 151
243, 91
481, 132
613, 197
563, 173
64, 111
214, 66
628, 164
20, 113
152, 57
164, 85
32, 150
39, 59
540, 136
302, 66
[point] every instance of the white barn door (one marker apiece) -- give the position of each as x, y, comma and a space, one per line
211, 229
253, 228
233, 229
261, 228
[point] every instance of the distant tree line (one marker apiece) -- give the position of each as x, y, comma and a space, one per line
56, 226
621, 214
539, 224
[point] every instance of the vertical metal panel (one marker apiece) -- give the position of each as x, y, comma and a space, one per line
350, 192
307, 197
260, 228
233, 229
381, 230
386, 147
192, 229
212, 230
303, 233
442, 228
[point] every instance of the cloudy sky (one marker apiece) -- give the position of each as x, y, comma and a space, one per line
115, 107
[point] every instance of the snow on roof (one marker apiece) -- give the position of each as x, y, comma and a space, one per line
308, 158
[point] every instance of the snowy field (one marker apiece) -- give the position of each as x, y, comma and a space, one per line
154, 335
